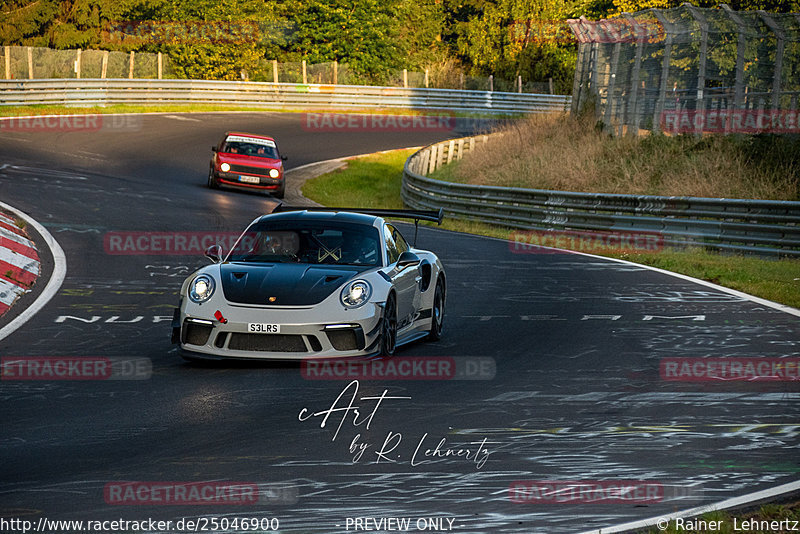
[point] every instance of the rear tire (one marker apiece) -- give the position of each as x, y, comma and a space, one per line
389, 327
437, 312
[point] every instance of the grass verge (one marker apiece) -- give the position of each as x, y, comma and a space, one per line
562, 153
374, 181
775, 517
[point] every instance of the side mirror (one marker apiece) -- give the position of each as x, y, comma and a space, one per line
213, 149
214, 253
407, 259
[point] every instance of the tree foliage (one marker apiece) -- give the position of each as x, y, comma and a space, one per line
506, 38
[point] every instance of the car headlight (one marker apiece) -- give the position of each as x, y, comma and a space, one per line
274, 173
356, 293
224, 167
201, 288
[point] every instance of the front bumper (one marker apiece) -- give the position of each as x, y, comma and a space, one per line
264, 182
304, 333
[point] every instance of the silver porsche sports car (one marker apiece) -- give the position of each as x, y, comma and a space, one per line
313, 283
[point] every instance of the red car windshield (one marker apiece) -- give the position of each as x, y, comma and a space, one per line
250, 146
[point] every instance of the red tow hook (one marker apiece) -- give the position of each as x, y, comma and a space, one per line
220, 318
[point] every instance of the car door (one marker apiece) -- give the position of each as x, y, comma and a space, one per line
405, 281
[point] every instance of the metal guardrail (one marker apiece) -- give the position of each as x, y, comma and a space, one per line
767, 227
92, 92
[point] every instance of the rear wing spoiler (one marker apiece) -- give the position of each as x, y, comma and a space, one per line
417, 215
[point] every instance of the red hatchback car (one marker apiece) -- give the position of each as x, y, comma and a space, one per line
247, 160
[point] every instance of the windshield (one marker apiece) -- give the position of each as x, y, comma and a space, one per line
250, 146
303, 242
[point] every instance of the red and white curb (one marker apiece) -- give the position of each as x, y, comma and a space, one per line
59, 265
19, 262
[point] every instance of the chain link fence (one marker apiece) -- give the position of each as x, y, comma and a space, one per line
22, 63
690, 70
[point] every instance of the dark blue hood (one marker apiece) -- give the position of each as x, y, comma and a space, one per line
291, 284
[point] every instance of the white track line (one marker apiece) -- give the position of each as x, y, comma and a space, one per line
758, 300
692, 512
53, 285
728, 503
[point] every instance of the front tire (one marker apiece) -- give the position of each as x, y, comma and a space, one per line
212, 181
437, 312
389, 327
280, 192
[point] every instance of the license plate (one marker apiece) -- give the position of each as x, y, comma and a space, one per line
263, 328
250, 179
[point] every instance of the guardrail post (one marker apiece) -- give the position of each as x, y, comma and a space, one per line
130, 67
662, 89
78, 64
432, 160
335, 72
550, 83
274, 71
426, 78
160, 65
740, 51
491, 83
423, 162
104, 67
8, 62
405, 78
780, 38
30, 63
701, 67
305, 77
631, 114
519, 84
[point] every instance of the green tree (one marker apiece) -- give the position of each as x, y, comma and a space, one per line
366, 34
527, 38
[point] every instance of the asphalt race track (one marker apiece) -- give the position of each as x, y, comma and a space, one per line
575, 393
